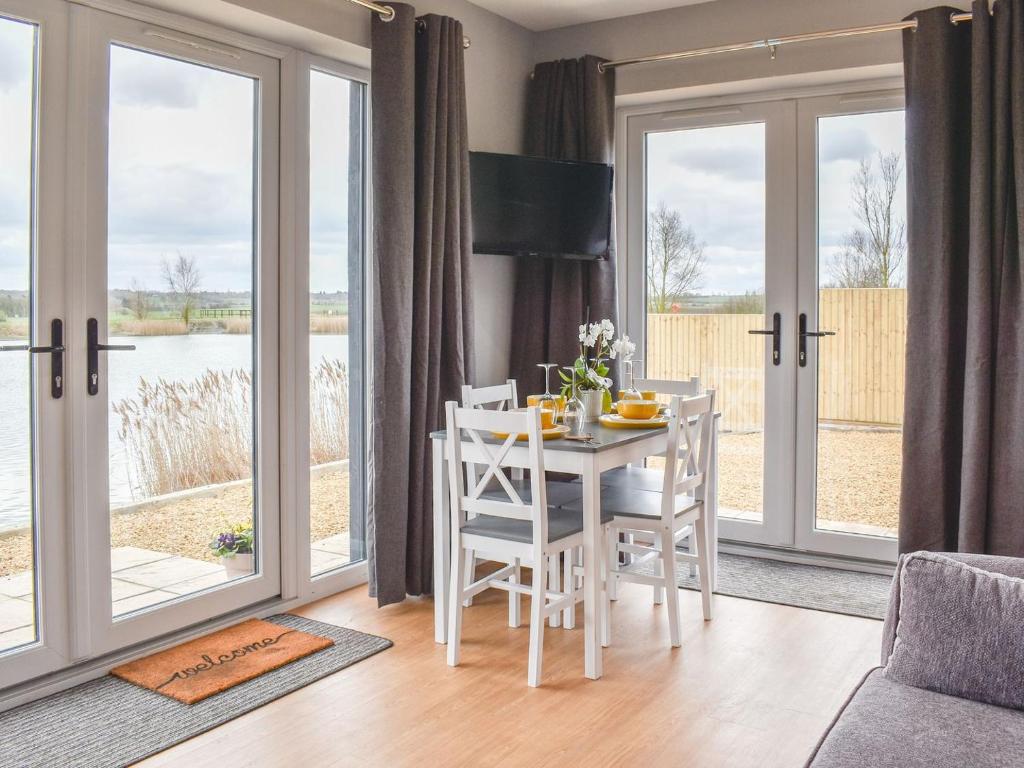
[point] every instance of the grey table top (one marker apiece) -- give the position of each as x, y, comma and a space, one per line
604, 439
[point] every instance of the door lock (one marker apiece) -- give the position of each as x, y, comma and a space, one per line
56, 352
804, 333
93, 348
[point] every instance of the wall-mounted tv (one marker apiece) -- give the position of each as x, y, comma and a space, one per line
528, 206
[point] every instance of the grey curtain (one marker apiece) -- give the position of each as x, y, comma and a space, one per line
570, 116
422, 318
963, 445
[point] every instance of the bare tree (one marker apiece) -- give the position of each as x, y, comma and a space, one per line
138, 300
675, 259
873, 253
183, 279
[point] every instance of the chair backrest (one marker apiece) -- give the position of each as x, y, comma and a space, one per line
689, 449
498, 397
477, 426
684, 388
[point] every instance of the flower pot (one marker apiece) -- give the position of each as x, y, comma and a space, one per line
239, 565
593, 403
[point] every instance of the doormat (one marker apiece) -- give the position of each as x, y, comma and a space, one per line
200, 668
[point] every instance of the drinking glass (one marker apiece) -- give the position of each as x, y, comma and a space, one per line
575, 414
547, 396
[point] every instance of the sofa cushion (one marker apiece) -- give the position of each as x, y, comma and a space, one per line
960, 631
1009, 566
889, 725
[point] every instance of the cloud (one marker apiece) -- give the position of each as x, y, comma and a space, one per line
144, 80
17, 41
738, 163
845, 143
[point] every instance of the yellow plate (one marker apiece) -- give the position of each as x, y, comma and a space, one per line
614, 421
548, 434
661, 407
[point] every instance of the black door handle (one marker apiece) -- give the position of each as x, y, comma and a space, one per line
804, 333
94, 347
56, 353
776, 334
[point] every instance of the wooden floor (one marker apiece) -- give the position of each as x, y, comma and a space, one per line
754, 687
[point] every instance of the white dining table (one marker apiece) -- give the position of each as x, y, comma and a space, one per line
609, 448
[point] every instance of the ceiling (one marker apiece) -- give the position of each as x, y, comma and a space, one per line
539, 15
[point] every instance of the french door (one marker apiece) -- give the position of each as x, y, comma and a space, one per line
178, 197
751, 228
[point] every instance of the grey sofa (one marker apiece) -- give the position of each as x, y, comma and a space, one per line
953, 625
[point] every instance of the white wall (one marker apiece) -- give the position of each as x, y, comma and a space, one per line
497, 69
731, 21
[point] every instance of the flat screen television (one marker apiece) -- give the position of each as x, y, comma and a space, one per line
529, 206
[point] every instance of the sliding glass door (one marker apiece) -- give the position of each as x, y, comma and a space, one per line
180, 311
765, 250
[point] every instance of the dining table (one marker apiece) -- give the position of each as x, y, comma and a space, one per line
607, 449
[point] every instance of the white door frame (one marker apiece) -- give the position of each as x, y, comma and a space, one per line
92, 34
808, 537
779, 118
50, 650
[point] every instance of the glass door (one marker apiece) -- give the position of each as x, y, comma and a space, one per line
853, 285
180, 323
32, 325
710, 265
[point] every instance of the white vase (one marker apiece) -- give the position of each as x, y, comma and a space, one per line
593, 404
239, 565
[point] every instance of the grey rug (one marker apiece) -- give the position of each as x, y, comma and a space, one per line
803, 586
110, 722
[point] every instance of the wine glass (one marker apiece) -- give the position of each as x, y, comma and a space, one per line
547, 397
575, 414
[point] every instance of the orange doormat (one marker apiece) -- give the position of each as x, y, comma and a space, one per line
198, 669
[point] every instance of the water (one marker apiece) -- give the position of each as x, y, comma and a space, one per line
173, 358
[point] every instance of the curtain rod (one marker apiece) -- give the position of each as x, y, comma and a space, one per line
772, 43
387, 13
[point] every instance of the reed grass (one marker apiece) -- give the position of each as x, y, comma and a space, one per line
328, 324
150, 326
187, 434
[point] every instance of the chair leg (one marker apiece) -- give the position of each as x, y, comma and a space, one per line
514, 598
692, 544
606, 605
612, 584
659, 567
554, 568
470, 575
569, 586
704, 566
455, 606
538, 599
668, 567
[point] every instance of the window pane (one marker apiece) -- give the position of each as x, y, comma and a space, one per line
335, 262
862, 296
17, 513
705, 287
180, 287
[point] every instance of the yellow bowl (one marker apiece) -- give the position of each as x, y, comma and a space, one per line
628, 395
637, 409
648, 394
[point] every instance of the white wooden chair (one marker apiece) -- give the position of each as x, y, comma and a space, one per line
666, 505
503, 397
628, 477
519, 528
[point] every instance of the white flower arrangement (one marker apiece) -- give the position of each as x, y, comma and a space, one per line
597, 344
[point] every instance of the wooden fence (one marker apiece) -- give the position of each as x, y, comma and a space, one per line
860, 372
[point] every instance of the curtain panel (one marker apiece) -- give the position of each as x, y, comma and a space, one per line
963, 444
422, 314
570, 116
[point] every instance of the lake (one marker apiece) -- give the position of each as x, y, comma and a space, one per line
173, 358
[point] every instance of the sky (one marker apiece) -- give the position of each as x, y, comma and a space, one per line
715, 177
181, 169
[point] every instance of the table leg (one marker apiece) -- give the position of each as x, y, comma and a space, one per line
442, 546
593, 587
